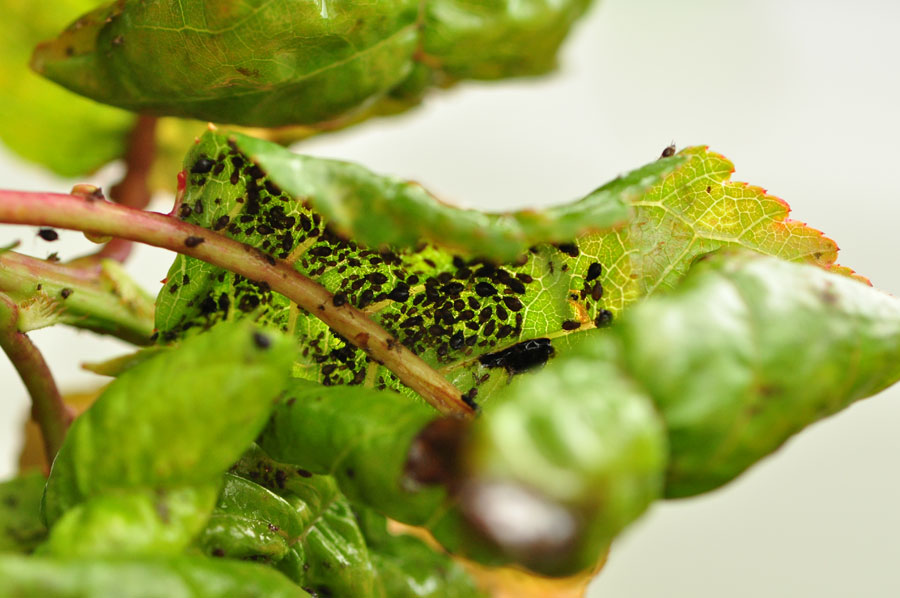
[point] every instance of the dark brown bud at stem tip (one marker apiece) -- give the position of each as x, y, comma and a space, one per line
434, 454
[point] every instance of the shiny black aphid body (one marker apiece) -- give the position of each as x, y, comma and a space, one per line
520, 357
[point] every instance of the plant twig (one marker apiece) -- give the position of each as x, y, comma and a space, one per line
133, 190
103, 218
83, 297
47, 407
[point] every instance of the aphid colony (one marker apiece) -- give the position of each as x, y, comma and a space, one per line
464, 316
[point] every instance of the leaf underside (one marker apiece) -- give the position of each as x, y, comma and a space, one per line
459, 313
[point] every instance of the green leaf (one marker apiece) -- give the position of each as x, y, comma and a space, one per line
563, 460
132, 522
750, 350
470, 320
180, 418
182, 577
39, 120
377, 211
408, 568
499, 38
325, 551
297, 62
21, 527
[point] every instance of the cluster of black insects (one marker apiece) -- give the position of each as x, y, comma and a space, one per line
447, 309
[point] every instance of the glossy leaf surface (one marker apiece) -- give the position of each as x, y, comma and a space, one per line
133, 523
300, 523
180, 418
297, 62
21, 526
148, 577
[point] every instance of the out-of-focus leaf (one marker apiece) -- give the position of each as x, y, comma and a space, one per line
21, 527
166, 577
134, 523
33, 455
247, 62
378, 211
408, 568
180, 418
563, 460
297, 62
41, 121
498, 38
474, 322
748, 351
325, 551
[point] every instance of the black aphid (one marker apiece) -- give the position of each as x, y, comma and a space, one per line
571, 325
597, 292
261, 340
570, 249
668, 152
594, 272
520, 357
484, 289
339, 299
65, 293
400, 292
202, 166
604, 318
193, 241
48, 234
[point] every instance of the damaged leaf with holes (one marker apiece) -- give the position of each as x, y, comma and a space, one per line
475, 320
294, 62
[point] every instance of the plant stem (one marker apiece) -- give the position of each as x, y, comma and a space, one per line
133, 190
92, 299
104, 218
47, 407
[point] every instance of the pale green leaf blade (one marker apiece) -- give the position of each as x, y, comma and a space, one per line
149, 577
21, 525
181, 417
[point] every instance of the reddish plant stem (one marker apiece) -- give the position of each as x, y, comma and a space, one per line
133, 190
47, 407
104, 218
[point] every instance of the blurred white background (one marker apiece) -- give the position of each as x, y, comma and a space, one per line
803, 96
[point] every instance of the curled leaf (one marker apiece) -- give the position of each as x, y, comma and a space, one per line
475, 321
749, 350
379, 211
180, 418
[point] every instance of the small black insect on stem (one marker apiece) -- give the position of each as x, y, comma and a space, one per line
669, 151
